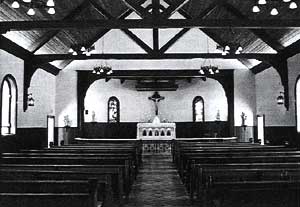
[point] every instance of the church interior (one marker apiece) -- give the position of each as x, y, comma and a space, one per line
145, 103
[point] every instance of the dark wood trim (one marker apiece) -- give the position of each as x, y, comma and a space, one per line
140, 56
150, 24
172, 8
18, 51
137, 8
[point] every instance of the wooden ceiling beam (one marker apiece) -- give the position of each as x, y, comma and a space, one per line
173, 8
260, 33
137, 8
139, 56
157, 74
214, 37
50, 34
18, 51
155, 31
130, 34
150, 24
203, 14
125, 14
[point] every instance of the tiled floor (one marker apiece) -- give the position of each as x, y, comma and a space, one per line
158, 184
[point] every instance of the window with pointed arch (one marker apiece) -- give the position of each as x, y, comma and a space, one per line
9, 94
298, 103
113, 110
198, 109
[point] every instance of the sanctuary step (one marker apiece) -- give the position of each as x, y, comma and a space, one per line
158, 184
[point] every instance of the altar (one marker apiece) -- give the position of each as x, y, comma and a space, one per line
156, 136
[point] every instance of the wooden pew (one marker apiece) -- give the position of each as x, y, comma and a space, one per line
51, 193
275, 193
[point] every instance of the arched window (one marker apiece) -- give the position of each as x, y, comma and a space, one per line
9, 95
198, 109
113, 110
298, 104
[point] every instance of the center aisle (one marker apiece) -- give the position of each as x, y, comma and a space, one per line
158, 184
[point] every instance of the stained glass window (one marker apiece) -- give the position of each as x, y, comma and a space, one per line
198, 109
113, 110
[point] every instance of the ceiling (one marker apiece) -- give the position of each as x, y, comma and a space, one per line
47, 38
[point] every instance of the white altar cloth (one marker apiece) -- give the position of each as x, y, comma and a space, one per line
158, 131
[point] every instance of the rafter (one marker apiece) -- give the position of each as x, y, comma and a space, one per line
20, 52
130, 34
150, 24
258, 32
137, 8
214, 37
90, 42
138, 56
203, 14
50, 34
173, 8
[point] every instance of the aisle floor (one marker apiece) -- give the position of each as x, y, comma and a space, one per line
158, 184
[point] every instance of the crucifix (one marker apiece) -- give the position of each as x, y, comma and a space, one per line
156, 97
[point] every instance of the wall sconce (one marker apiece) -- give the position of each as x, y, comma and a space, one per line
280, 98
30, 100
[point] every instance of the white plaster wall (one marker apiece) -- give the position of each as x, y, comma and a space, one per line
268, 87
42, 87
135, 106
244, 97
10, 64
66, 97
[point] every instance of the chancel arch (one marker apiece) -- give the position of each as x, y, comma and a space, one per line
9, 97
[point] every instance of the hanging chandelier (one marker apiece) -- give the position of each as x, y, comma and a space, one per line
32, 5
274, 11
230, 48
207, 67
103, 70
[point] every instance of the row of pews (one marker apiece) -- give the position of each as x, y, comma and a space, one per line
76, 175
239, 174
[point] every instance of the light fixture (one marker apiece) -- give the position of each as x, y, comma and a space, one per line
255, 9
50, 3
31, 12
77, 50
207, 67
51, 10
293, 5
274, 11
262, 2
32, 5
30, 100
280, 98
15, 5
231, 48
103, 70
